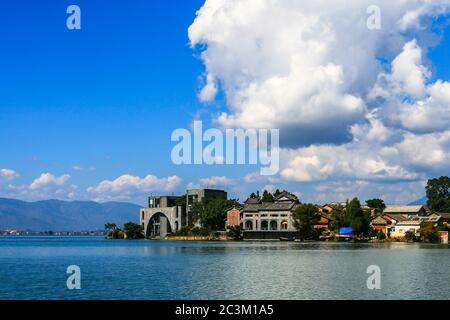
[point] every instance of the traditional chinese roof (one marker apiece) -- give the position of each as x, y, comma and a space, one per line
253, 201
269, 206
286, 196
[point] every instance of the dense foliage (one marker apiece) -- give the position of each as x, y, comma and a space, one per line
305, 217
438, 193
133, 230
210, 214
377, 204
234, 232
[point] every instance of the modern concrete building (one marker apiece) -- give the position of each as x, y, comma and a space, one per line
162, 217
167, 214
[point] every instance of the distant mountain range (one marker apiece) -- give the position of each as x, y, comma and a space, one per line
419, 202
57, 215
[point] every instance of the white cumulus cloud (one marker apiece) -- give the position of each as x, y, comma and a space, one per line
127, 186
352, 104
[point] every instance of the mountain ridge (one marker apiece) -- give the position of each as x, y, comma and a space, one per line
61, 215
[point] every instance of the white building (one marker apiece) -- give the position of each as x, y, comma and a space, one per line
399, 230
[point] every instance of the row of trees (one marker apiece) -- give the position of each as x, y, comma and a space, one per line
130, 230
353, 215
267, 195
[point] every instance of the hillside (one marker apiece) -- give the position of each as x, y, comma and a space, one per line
60, 215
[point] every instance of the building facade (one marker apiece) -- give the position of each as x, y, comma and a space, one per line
269, 220
167, 214
234, 217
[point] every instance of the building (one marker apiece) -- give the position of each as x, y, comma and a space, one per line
433, 218
445, 217
323, 222
407, 210
234, 217
269, 220
400, 229
380, 224
167, 214
163, 216
443, 236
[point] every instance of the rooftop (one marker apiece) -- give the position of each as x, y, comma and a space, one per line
403, 209
410, 223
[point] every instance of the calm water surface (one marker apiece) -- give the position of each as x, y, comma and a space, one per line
35, 268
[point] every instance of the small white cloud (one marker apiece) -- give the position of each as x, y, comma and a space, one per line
8, 174
48, 179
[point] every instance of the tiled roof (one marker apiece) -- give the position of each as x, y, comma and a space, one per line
403, 209
287, 195
253, 201
397, 216
379, 221
269, 206
445, 215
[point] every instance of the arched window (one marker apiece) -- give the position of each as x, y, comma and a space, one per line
248, 225
264, 225
273, 225
284, 225
176, 226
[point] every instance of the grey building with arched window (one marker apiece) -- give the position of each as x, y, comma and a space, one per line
269, 220
167, 214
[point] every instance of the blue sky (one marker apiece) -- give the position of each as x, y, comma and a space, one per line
91, 105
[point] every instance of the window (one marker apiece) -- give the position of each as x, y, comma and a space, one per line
284, 225
273, 225
264, 225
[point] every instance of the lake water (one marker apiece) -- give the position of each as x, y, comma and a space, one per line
35, 268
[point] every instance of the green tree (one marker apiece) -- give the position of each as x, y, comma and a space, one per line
305, 216
214, 215
277, 193
381, 235
341, 219
428, 233
438, 193
133, 230
112, 232
410, 236
359, 220
110, 226
181, 201
377, 204
211, 214
234, 232
267, 196
195, 213
254, 195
